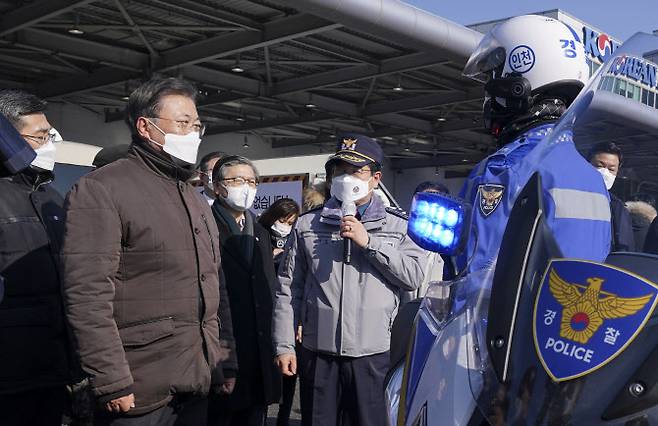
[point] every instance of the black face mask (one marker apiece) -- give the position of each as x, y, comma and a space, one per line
543, 111
278, 242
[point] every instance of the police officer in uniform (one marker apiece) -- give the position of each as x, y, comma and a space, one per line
345, 303
535, 67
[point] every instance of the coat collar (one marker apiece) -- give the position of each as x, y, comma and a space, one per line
158, 162
32, 177
376, 211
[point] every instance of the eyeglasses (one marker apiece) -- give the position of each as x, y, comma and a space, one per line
41, 140
186, 125
239, 181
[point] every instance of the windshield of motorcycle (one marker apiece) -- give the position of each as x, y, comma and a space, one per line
562, 379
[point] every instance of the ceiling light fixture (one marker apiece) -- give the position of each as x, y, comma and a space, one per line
236, 67
126, 92
398, 87
310, 104
246, 143
441, 119
75, 30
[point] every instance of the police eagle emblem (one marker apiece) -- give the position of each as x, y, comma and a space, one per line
586, 314
489, 198
583, 313
349, 144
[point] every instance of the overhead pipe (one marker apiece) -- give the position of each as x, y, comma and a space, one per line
398, 22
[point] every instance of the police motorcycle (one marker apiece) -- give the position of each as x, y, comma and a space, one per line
538, 338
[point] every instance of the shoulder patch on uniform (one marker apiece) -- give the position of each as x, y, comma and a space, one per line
397, 212
489, 197
312, 210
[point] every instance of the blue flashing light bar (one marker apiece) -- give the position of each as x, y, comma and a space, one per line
439, 222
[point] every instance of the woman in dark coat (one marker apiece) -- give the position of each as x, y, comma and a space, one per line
278, 220
248, 268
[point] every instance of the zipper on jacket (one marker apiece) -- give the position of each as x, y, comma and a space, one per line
342, 308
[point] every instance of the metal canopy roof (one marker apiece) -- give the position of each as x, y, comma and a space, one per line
305, 76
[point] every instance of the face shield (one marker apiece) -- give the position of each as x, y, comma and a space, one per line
487, 60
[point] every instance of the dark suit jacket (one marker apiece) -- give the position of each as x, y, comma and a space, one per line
623, 238
250, 284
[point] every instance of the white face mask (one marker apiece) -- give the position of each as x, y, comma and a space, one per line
45, 156
608, 177
240, 197
281, 229
348, 188
183, 147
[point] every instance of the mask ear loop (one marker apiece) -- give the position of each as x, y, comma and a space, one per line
159, 129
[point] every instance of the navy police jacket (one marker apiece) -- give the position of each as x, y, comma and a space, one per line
576, 201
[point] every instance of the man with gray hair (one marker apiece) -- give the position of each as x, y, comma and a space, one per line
248, 268
141, 270
35, 367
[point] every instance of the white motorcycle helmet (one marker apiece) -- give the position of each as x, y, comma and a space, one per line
526, 59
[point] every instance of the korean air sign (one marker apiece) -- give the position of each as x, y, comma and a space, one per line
599, 46
636, 69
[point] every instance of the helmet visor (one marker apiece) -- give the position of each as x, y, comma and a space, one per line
487, 57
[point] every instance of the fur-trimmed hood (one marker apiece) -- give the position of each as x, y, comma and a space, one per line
642, 213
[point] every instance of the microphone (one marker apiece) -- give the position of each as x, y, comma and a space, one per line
348, 209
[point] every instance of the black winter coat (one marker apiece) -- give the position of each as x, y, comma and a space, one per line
623, 238
651, 241
250, 284
34, 347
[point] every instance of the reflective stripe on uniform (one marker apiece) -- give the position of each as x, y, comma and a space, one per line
575, 204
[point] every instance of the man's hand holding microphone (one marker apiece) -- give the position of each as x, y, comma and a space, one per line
351, 230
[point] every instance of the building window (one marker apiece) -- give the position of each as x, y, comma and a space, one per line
651, 97
636, 92
645, 96
620, 87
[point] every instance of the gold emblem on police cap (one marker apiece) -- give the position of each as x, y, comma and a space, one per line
349, 144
